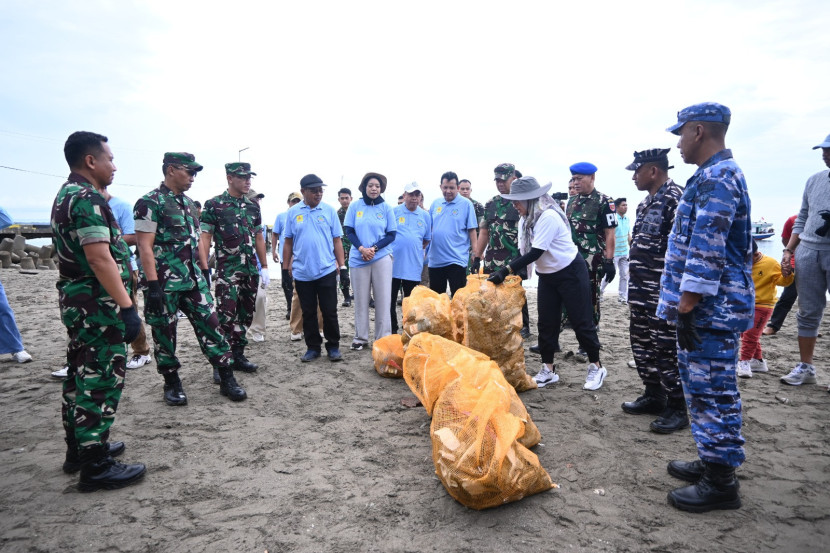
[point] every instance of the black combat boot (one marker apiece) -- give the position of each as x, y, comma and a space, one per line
716, 489
240, 363
72, 464
652, 402
99, 471
216, 379
674, 418
228, 386
690, 471
173, 390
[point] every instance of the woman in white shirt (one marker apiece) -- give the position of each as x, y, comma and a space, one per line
563, 278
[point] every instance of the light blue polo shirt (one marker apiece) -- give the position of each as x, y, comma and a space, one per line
312, 230
279, 223
621, 233
450, 243
370, 223
124, 215
408, 248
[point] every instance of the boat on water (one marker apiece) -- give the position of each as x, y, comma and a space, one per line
761, 230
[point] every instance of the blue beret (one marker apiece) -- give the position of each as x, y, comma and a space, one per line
707, 111
583, 168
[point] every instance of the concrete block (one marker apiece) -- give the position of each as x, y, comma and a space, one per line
5, 259
27, 264
6, 245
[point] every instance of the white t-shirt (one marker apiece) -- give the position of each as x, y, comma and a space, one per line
553, 236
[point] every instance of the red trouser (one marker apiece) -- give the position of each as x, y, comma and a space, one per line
751, 339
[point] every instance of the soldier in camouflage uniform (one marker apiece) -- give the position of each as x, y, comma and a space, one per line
97, 311
498, 232
344, 196
592, 218
707, 290
234, 222
167, 231
654, 340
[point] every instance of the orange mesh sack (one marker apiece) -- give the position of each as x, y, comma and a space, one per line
387, 353
475, 450
432, 362
425, 310
488, 318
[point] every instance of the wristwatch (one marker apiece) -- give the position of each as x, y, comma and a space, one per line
789, 250
375, 248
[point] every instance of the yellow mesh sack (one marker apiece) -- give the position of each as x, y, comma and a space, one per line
425, 310
475, 450
431, 362
387, 352
488, 318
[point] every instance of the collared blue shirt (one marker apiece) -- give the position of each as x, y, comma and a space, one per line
313, 231
124, 215
370, 223
710, 248
450, 243
408, 248
279, 223
621, 235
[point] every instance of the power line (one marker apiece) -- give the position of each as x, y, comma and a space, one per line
63, 176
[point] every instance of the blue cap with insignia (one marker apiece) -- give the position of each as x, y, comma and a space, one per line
583, 168
707, 111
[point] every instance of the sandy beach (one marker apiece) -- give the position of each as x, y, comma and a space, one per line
324, 457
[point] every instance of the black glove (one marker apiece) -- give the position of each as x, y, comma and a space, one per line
207, 277
499, 276
131, 322
344, 275
609, 269
154, 298
687, 336
522, 273
476, 266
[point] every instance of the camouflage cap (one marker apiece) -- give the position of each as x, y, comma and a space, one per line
182, 159
655, 155
239, 169
252, 194
295, 196
707, 111
504, 171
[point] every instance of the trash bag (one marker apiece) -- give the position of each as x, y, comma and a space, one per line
488, 318
432, 362
475, 450
387, 352
425, 310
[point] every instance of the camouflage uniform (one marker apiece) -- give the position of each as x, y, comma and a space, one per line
502, 222
653, 340
345, 282
96, 353
589, 217
174, 220
234, 224
709, 252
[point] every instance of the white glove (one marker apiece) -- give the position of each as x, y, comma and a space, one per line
264, 277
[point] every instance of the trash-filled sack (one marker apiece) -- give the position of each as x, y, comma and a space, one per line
425, 310
387, 352
488, 318
432, 362
475, 450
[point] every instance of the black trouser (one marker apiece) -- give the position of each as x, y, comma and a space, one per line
783, 306
287, 287
525, 315
455, 275
570, 288
397, 284
324, 290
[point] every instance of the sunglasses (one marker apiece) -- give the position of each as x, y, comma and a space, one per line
191, 172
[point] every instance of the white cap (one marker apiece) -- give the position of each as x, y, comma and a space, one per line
411, 187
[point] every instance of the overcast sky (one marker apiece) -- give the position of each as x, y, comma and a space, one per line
409, 90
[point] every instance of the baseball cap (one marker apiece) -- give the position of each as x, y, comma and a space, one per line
825, 144
182, 158
411, 187
239, 168
707, 111
504, 171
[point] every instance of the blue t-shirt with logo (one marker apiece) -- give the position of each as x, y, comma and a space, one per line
370, 223
451, 222
312, 231
408, 248
279, 223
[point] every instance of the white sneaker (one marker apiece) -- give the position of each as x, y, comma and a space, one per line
545, 376
632, 364
744, 370
138, 361
257, 337
596, 376
297, 337
180, 314
803, 373
63, 373
758, 365
21, 356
